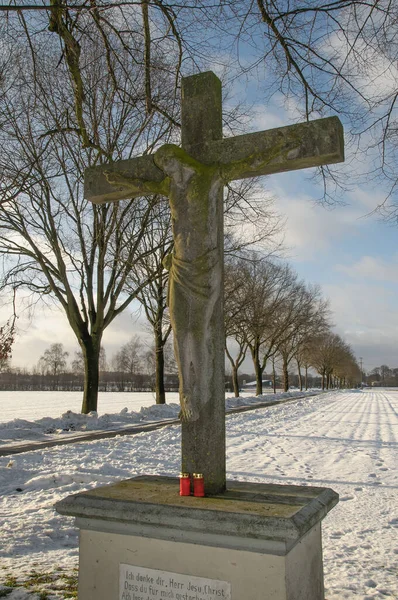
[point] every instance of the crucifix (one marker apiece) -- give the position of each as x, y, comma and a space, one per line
192, 177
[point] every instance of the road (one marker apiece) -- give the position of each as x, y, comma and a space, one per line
350, 443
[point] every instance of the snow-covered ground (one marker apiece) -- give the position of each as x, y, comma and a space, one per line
37, 405
344, 440
39, 427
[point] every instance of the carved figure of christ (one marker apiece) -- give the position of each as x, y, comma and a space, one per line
192, 177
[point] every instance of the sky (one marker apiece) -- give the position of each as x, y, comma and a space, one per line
345, 247
352, 256
355, 260
350, 252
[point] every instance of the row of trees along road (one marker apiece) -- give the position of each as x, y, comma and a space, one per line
383, 375
90, 84
269, 314
132, 368
273, 315
92, 260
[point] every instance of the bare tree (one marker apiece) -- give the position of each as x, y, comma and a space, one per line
78, 363
305, 314
153, 297
54, 362
303, 359
235, 299
270, 286
54, 359
7, 334
385, 372
331, 355
322, 56
128, 361
113, 95
53, 242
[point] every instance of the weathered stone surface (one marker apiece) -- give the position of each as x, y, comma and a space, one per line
201, 113
263, 540
300, 146
288, 148
247, 510
193, 177
199, 245
121, 179
195, 275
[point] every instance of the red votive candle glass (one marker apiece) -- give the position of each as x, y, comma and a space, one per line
198, 485
185, 484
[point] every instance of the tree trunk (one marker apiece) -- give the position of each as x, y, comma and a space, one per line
306, 378
285, 375
160, 393
300, 377
273, 376
235, 381
90, 348
323, 380
255, 352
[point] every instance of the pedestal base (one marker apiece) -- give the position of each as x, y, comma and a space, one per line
139, 540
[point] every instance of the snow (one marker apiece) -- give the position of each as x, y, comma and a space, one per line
71, 423
37, 405
345, 440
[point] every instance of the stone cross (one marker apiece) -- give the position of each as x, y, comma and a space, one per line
192, 177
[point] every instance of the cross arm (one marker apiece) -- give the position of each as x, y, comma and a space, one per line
288, 148
124, 179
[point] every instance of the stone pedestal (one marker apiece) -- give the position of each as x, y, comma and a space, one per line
139, 540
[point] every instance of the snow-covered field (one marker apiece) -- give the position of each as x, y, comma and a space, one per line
344, 440
37, 405
39, 427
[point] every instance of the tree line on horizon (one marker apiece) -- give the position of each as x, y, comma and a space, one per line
269, 313
77, 89
382, 376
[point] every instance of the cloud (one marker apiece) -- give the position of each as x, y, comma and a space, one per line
48, 325
365, 316
366, 199
377, 73
372, 268
268, 118
364, 307
35, 334
310, 228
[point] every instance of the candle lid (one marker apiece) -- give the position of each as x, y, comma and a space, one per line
198, 476
184, 475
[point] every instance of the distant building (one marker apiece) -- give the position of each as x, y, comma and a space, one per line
252, 384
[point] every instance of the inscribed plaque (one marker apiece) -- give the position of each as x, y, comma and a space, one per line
139, 583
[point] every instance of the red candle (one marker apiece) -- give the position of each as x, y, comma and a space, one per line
198, 485
185, 484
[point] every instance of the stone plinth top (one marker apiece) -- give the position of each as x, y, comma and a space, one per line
253, 511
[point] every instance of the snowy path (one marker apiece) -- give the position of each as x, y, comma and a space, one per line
22, 435
36, 405
347, 441
351, 445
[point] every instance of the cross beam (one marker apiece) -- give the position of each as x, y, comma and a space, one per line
193, 177
313, 144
